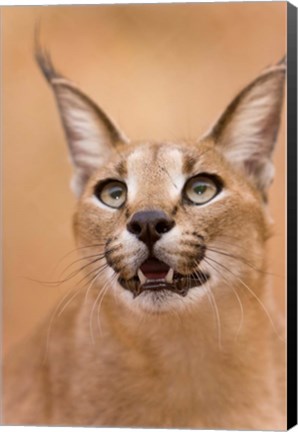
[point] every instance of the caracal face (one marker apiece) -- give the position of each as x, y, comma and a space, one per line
166, 224
166, 219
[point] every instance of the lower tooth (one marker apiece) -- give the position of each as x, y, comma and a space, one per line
142, 277
169, 276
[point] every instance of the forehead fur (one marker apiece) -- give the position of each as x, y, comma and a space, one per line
155, 170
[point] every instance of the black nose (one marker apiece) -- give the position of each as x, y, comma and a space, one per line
149, 226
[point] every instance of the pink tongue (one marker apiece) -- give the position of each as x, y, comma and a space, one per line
154, 269
155, 275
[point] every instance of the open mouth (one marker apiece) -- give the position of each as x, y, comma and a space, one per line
155, 275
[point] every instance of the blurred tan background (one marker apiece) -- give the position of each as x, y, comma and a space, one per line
161, 71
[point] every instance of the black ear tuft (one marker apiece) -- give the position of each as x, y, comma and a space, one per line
91, 135
43, 58
45, 63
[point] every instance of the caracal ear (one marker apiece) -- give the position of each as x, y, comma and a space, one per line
247, 130
91, 135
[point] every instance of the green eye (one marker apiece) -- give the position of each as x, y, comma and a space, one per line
113, 194
200, 189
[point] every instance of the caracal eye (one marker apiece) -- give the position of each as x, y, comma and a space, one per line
200, 189
113, 193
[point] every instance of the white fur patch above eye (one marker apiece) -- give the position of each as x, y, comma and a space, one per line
174, 171
151, 167
132, 187
134, 164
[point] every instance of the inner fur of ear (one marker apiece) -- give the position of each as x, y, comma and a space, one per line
246, 132
91, 135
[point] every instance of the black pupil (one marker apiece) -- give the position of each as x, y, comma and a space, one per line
200, 189
116, 192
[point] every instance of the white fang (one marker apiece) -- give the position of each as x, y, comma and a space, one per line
169, 276
142, 277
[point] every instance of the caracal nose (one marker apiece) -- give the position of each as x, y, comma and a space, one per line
149, 226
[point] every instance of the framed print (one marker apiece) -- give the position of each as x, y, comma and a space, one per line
149, 215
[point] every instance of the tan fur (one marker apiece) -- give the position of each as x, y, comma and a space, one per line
207, 360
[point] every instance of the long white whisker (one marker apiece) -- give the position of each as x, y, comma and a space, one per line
254, 295
99, 271
215, 309
217, 316
59, 309
105, 289
75, 250
97, 257
237, 297
101, 292
93, 307
242, 260
69, 301
53, 316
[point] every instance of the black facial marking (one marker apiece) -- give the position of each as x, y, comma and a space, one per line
116, 268
108, 242
127, 213
115, 262
188, 164
121, 168
191, 243
174, 211
197, 235
113, 249
202, 251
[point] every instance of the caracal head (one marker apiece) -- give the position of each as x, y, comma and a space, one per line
165, 222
